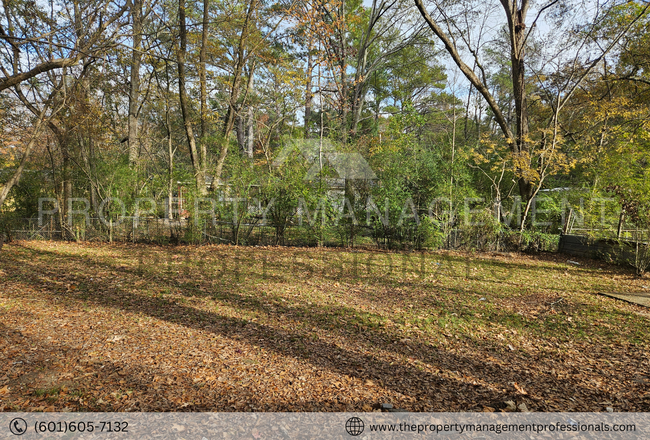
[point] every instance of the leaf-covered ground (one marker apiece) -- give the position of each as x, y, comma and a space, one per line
87, 327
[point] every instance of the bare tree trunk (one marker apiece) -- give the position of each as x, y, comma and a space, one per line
245, 124
234, 92
65, 182
89, 169
87, 149
469, 98
170, 169
182, 92
240, 133
357, 105
309, 96
451, 166
621, 222
517, 25
359, 89
250, 132
203, 81
231, 114
344, 93
134, 90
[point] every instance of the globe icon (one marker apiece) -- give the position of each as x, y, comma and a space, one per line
354, 426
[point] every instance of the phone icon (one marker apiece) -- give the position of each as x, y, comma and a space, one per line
18, 426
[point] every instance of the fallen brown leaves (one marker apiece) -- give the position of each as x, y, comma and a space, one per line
220, 328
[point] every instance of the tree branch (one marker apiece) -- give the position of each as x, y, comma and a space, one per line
469, 73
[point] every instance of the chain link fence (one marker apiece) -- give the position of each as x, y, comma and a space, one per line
205, 231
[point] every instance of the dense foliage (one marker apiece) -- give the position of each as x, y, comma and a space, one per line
342, 121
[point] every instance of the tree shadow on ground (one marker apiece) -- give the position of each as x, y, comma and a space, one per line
465, 376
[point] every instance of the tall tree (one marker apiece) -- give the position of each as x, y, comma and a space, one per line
388, 28
515, 11
185, 107
456, 38
241, 56
203, 85
37, 48
134, 87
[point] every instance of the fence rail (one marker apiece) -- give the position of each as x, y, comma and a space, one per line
611, 234
164, 231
